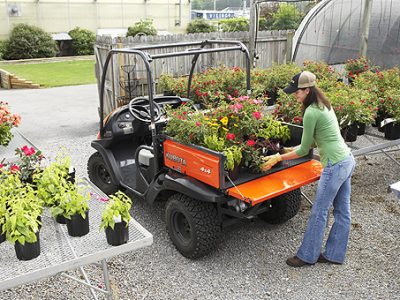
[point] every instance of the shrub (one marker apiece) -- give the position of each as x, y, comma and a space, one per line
143, 27
82, 41
234, 24
3, 45
28, 41
200, 25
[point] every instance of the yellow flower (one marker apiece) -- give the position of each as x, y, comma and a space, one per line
224, 121
206, 119
226, 129
236, 125
214, 124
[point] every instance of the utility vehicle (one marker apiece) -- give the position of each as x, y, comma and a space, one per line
133, 153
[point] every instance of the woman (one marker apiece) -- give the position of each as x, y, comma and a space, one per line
321, 128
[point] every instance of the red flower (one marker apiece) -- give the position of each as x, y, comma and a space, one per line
14, 168
257, 115
230, 136
250, 143
198, 123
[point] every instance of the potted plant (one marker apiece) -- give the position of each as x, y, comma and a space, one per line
354, 67
29, 160
7, 121
392, 124
115, 219
53, 183
75, 207
22, 218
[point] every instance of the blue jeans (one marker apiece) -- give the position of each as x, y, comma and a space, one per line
334, 188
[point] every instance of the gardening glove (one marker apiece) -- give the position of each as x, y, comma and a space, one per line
270, 161
287, 150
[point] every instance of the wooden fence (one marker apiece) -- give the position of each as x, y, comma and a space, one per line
126, 76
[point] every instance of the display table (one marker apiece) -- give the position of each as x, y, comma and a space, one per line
60, 252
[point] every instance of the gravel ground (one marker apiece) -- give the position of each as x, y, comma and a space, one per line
249, 262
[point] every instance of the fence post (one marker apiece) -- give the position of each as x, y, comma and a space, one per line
289, 45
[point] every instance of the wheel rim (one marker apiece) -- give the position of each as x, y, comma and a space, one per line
103, 174
181, 227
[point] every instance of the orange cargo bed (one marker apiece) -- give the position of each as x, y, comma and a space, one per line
275, 184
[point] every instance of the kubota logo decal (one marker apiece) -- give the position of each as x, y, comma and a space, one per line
175, 158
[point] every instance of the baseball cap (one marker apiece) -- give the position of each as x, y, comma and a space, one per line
302, 80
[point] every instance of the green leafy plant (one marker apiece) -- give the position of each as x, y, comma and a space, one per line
83, 41
21, 218
143, 27
73, 201
118, 207
27, 41
3, 45
200, 25
7, 121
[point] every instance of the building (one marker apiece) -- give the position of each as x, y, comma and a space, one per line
56, 16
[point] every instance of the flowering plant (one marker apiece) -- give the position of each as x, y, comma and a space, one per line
7, 121
288, 109
238, 128
29, 161
321, 70
357, 66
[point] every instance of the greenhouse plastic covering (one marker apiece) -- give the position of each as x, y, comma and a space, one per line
332, 30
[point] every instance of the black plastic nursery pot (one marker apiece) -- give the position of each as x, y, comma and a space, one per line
392, 131
28, 251
361, 128
60, 219
350, 132
118, 236
78, 226
2, 235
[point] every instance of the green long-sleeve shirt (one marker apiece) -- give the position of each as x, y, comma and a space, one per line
322, 129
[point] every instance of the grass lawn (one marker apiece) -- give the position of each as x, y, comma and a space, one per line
55, 73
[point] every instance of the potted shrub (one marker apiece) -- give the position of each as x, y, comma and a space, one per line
392, 124
166, 83
53, 184
74, 204
22, 218
354, 67
7, 121
115, 219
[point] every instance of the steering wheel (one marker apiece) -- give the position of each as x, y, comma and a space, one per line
142, 113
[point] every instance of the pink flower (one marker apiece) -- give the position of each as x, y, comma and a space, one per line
257, 115
230, 136
251, 143
28, 151
198, 124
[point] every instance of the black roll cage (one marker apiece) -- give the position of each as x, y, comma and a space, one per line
147, 59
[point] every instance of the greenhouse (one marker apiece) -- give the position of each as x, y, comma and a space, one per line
332, 32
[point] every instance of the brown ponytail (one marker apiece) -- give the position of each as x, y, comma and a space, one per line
315, 96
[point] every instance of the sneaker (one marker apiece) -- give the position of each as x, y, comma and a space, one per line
296, 262
322, 259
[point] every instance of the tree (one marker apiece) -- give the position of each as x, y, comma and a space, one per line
287, 17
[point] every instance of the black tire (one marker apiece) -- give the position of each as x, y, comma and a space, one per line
100, 175
192, 225
282, 208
